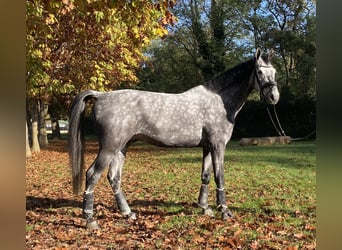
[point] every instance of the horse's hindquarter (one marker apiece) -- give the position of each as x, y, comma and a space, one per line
165, 119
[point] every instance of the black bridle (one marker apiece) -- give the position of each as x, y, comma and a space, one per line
262, 87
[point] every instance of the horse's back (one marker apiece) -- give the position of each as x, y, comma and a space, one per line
135, 102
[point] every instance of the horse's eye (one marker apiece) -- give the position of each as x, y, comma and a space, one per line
259, 72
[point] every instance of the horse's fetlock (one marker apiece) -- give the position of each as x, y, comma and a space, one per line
92, 225
131, 216
209, 212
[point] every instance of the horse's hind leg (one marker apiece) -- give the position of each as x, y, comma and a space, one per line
92, 177
205, 177
114, 178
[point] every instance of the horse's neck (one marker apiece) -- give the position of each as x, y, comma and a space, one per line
235, 90
235, 97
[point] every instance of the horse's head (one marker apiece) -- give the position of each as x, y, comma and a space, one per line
264, 78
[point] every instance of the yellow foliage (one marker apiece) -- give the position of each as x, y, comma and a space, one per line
50, 19
74, 45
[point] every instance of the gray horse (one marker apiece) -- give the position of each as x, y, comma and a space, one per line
203, 116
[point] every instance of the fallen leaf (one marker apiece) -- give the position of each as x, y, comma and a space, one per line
299, 236
199, 239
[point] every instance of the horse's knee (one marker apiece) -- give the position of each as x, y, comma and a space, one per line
205, 178
89, 173
110, 177
114, 181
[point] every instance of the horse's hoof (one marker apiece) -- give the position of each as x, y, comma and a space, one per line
227, 215
131, 216
92, 225
208, 211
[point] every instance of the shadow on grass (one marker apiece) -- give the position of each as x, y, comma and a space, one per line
46, 208
33, 203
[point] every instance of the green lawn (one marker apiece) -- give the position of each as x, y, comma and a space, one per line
270, 189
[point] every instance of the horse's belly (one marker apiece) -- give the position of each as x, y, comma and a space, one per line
173, 135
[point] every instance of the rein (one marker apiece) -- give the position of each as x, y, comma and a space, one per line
270, 85
279, 129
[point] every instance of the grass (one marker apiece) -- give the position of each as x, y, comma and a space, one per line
269, 189
275, 183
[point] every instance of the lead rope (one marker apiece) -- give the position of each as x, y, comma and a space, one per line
281, 131
278, 128
276, 115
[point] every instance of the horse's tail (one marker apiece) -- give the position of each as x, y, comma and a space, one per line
75, 138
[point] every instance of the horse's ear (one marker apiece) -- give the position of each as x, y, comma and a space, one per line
270, 55
257, 53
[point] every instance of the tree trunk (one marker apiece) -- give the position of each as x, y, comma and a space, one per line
285, 63
56, 132
35, 142
28, 149
43, 112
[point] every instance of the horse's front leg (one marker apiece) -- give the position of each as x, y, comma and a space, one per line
114, 178
205, 177
217, 154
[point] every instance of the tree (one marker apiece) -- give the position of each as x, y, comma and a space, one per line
204, 43
93, 44
215, 28
74, 45
169, 68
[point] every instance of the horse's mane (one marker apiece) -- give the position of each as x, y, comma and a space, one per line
235, 75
